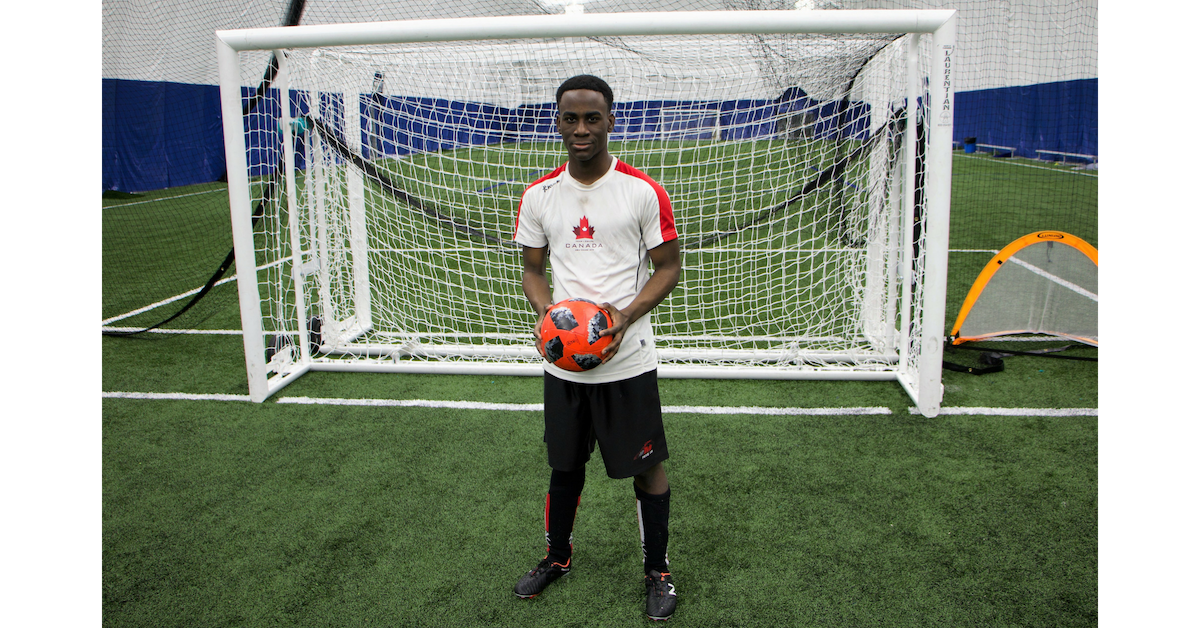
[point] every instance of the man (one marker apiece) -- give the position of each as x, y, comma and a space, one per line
600, 223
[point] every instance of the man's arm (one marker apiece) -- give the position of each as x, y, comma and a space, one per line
534, 283
667, 268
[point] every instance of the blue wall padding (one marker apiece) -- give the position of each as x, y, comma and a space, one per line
158, 135
1060, 116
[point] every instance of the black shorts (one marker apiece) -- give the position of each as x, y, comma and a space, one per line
625, 417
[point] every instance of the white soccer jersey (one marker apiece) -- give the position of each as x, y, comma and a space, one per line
599, 237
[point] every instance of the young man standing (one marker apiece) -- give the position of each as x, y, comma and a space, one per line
601, 223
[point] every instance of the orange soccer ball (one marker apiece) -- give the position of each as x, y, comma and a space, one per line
570, 334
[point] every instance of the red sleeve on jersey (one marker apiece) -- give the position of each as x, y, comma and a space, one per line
666, 217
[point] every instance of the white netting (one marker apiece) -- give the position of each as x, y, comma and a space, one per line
783, 157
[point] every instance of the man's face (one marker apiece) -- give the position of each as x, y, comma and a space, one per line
584, 122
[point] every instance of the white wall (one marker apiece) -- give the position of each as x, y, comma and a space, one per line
1002, 43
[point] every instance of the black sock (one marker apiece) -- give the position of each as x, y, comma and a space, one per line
654, 511
561, 503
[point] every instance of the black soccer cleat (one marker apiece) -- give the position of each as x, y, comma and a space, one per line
660, 596
537, 579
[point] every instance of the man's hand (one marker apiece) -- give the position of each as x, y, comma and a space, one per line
619, 323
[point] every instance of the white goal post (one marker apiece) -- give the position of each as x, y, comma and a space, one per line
374, 172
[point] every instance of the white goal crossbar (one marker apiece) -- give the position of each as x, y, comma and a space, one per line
899, 273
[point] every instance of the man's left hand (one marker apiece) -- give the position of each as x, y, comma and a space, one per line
619, 323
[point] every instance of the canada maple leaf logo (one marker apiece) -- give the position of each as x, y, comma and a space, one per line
584, 231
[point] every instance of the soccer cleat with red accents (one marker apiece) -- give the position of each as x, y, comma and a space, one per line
538, 578
660, 595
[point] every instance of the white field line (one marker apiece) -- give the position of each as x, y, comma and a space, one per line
174, 396
1024, 165
173, 299
537, 407
181, 296
1058, 280
197, 332
1038, 271
774, 411
414, 403
1052, 412
165, 198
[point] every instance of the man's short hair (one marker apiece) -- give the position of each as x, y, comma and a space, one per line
586, 81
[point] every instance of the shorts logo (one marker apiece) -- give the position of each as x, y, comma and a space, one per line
647, 449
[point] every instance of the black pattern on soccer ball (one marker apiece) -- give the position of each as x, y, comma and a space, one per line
563, 318
554, 349
598, 324
587, 361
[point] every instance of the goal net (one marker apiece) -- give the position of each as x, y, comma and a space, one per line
375, 184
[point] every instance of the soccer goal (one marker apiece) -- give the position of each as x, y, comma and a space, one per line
375, 173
